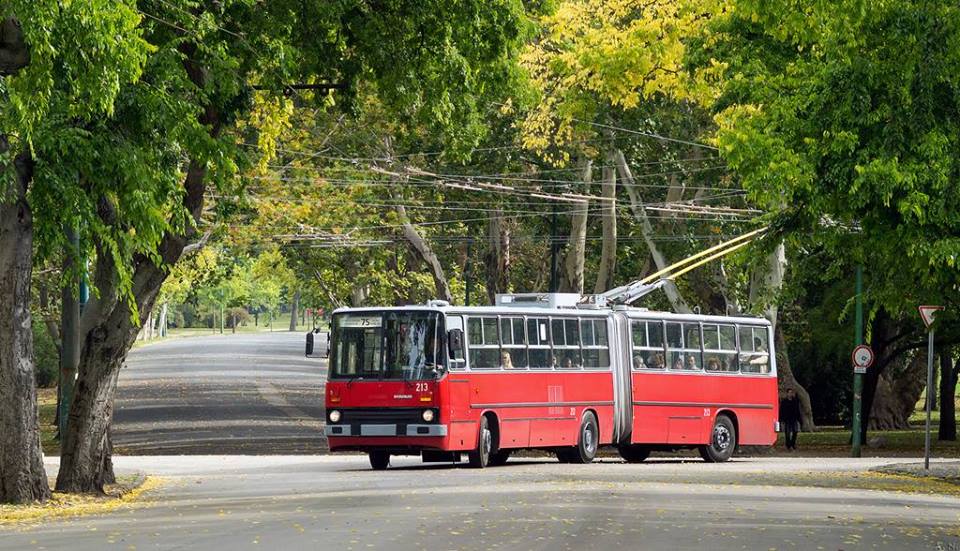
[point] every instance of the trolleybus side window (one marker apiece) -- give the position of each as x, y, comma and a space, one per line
538, 337
719, 347
566, 342
514, 352
484, 345
593, 334
647, 345
754, 350
683, 346
457, 359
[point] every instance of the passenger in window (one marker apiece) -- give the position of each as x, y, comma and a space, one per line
638, 362
713, 364
568, 363
505, 360
658, 362
761, 359
678, 363
691, 362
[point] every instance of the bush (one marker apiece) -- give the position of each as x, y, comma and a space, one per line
238, 316
46, 356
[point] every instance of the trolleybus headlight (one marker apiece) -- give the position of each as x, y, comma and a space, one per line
334, 416
428, 415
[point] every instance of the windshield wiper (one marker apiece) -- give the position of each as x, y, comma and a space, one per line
354, 378
406, 380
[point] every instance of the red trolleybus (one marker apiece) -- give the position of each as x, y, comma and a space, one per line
544, 371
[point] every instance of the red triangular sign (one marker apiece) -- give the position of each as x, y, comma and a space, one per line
927, 313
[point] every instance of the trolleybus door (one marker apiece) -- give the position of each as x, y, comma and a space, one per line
622, 387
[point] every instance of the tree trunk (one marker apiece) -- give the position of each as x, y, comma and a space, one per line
294, 307
572, 278
108, 329
608, 253
425, 252
948, 389
359, 294
22, 476
898, 389
772, 284
162, 322
498, 256
786, 380
646, 229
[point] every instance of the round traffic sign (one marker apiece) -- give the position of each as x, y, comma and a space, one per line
862, 356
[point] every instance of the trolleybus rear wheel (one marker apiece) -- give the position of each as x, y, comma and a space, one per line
480, 457
499, 458
632, 453
379, 460
587, 441
723, 440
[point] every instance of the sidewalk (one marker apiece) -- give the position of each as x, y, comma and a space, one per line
948, 471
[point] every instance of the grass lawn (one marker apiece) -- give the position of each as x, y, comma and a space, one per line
836, 441
47, 402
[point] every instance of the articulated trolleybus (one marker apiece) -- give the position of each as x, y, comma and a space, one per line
546, 371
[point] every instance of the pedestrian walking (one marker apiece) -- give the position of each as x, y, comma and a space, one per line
790, 418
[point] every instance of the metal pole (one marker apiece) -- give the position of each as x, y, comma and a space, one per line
70, 335
926, 446
858, 377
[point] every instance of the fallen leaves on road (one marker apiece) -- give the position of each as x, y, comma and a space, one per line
73, 505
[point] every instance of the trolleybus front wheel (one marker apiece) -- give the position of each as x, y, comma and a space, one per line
379, 460
480, 457
723, 440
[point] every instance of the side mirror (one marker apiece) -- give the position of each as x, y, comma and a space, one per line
455, 343
309, 348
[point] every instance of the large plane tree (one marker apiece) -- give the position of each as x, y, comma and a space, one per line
131, 175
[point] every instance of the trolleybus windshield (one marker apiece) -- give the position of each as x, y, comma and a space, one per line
387, 345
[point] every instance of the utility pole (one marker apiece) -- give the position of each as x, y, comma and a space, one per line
858, 377
554, 284
468, 268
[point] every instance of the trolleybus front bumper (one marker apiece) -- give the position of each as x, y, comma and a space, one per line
392, 429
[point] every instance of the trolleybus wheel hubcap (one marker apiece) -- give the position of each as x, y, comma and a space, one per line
721, 437
589, 439
487, 441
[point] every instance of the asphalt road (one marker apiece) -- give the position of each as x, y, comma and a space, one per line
252, 393
336, 502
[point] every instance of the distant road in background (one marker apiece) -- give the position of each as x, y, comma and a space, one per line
252, 393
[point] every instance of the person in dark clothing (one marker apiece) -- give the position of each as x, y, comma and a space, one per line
790, 418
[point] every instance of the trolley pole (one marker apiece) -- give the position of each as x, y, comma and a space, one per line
857, 376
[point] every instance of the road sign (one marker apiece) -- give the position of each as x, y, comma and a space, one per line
862, 358
928, 313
